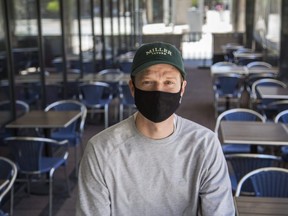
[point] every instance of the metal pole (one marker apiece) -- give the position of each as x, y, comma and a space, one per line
103, 34
10, 60
112, 31
79, 36
119, 26
93, 35
41, 55
64, 53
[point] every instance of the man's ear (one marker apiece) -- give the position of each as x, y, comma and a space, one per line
131, 86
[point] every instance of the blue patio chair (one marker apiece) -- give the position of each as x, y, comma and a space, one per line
28, 155
112, 77
259, 64
255, 100
126, 101
267, 182
125, 66
237, 114
8, 174
283, 118
224, 64
21, 108
74, 132
241, 164
272, 109
23, 92
96, 97
252, 78
228, 89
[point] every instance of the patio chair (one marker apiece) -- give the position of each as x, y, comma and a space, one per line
267, 182
8, 174
32, 163
255, 100
111, 76
125, 66
241, 164
224, 64
237, 114
126, 101
228, 89
259, 64
96, 97
275, 107
21, 108
74, 132
282, 117
251, 78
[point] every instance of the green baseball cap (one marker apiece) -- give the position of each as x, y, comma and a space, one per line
157, 53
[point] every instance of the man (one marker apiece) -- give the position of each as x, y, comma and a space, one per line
155, 163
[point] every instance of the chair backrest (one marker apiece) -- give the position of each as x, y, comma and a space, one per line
254, 77
53, 93
238, 114
20, 105
224, 64
8, 173
277, 106
126, 66
282, 116
259, 64
28, 151
111, 72
266, 82
244, 163
243, 50
125, 94
228, 84
112, 77
70, 105
267, 182
92, 94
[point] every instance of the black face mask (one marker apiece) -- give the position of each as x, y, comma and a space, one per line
156, 106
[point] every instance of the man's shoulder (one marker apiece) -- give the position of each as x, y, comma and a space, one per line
114, 135
187, 124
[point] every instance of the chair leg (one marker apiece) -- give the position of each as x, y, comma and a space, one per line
50, 194
106, 113
28, 185
67, 180
76, 161
11, 200
121, 114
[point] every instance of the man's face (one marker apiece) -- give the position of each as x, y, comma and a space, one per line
160, 77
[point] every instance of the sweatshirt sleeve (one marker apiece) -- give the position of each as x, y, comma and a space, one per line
215, 193
93, 196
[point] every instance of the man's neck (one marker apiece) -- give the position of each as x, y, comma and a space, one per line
154, 130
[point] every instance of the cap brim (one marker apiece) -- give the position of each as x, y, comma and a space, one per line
150, 63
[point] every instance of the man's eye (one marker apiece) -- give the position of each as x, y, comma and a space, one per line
147, 83
169, 82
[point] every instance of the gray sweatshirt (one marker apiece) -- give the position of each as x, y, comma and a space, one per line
123, 173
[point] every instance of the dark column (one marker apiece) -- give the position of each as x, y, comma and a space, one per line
80, 36
283, 57
63, 46
9, 55
249, 23
41, 53
103, 41
93, 36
